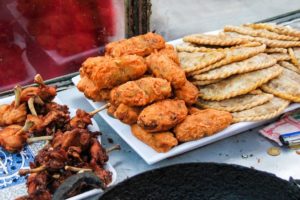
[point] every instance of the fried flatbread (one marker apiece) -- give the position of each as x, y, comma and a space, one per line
202, 83
259, 33
280, 56
286, 85
295, 59
268, 110
235, 104
289, 66
259, 61
268, 42
215, 40
198, 60
276, 29
239, 84
276, 50
189, 47
233, 55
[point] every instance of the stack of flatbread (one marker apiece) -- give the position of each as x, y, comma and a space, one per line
252, 71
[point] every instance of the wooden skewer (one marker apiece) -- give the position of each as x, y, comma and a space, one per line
41, 138
39, 80
23, 172
77, 169
99, 109
17, 91
31, 106
113, 148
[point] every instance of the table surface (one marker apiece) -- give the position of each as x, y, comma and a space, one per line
247, 149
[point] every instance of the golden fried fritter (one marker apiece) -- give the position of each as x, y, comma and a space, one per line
107, 72
141, 92
170, 51
127, 114
89, 89
162, 115
10, 114
202, 123
188, 93
164, 67
141, 45
160, 142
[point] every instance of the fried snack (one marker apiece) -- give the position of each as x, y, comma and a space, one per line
106, 72
190, 47
259, 33
238, 103
259, 61
215, 40
207, 82
280, 56
127, 114
285, 86
188, 93
199, 60
234, 54
90, 90
268, 42
12, 139
162, 115
293, 57
239, 84
141, 92
141, 45
163, 67
271, 109
289, 66
202, 123
276, 50
161, 142
170, 51
276, 29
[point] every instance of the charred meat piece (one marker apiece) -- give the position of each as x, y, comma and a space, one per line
81, 120
160, 142
202, 123
141, 92
162, 115
141, 45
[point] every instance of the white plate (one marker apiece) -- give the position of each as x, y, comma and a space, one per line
10, 192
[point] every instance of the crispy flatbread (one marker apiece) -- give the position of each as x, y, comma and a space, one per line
286, 85
215, 40
276, 29
233, 55
289, 66
202, 83
259, 61
189, 47
259, 33
235, 104
268, 110
295, 57
268, 42
239, 84
198, 60
280, 56
276, 50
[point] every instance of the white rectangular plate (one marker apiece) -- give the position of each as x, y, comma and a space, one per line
151, 156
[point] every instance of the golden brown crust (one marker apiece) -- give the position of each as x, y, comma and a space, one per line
289, 66
276, 50
189, 47
294, 60
127, 114
202, 123
92, 92
215, 40
162, 115
207, 82
188, 93
161, 142
280, 56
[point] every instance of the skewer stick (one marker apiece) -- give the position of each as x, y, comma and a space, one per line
23, 172
17, 91
39, 80
99, 109
41, 138
31, 106
26, 127
113, 148
77, 169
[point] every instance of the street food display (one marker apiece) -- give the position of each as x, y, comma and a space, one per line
71, 146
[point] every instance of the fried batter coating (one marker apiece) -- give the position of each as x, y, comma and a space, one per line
11, 139
10, 114
202, 123
160, 142
188, 93
90, 90
141, 92
162, 115
170, 51
141, 45
107, 72
127, 114
164, 67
